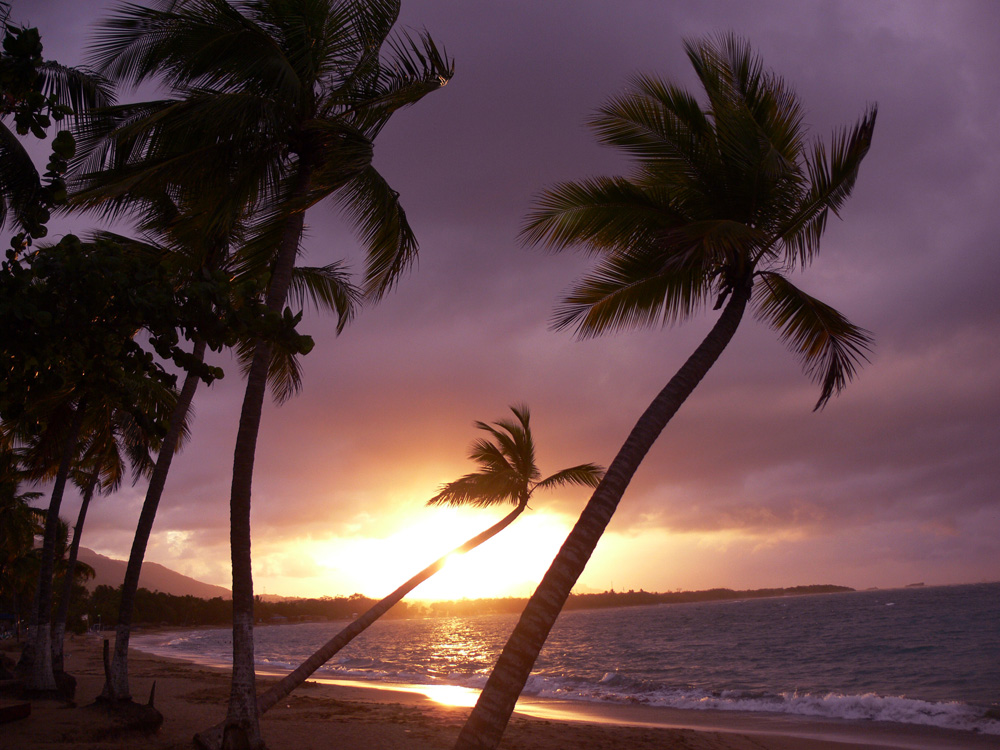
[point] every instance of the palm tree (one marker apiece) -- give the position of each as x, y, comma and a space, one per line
722, 203
62, 610
199, 241
86, 418
36, 657
507, 475
102, 468
290, 93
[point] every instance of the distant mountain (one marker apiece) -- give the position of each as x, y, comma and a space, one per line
155, 577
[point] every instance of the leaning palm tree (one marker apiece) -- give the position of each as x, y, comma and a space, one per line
290, 94
507, 475
723, 202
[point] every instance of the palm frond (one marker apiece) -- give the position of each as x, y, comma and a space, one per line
196, 43
599, 215
414, 68
758, 128
152, 146
829, 346
353, 39
284, 373
19, 180
391, 246
507, 470
508, 444
478, 490
99, 140
254, 257
630, 290
664, 129
490, 456
327, 288
584, 475
832, 178
77, 88
514, 439
340, 153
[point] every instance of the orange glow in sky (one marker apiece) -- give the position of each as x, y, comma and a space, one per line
509, 564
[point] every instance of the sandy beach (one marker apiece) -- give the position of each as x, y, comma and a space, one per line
343, 715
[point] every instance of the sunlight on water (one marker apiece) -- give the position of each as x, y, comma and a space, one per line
450, 695
445, 695
932, 658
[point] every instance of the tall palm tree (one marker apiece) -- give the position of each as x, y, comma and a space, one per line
290, 93
199, 241
507, 475
722, 203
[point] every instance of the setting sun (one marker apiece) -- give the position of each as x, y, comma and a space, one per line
510, 564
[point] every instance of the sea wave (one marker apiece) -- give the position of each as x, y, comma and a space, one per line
616, 688
933, 660
868, 707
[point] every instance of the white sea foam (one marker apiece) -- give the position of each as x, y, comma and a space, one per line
612, 687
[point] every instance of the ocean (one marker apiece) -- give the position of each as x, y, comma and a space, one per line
927, 656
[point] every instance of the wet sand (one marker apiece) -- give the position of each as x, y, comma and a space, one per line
348, 715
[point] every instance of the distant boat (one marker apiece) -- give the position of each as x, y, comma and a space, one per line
914, 585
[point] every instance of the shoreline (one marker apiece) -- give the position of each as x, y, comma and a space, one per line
852, 731
338, 713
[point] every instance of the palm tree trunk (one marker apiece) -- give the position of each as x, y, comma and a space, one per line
41, 677
210, 739
59, 626
116, 686
486, 723
242, 726
27, 659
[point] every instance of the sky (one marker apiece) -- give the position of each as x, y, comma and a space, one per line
895, 482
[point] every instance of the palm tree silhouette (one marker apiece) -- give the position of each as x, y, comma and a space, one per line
62, 431
285, 97
507, 475
723, 202
197, 242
